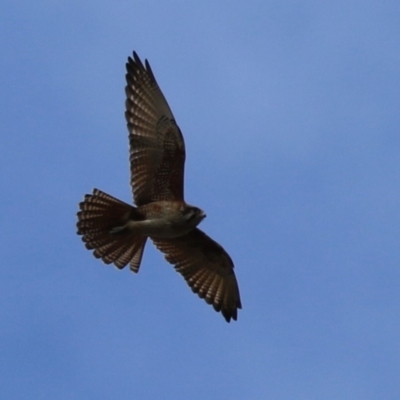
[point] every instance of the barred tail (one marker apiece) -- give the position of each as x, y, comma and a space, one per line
98, 221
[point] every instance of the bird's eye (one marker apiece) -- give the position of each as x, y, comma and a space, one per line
191, 213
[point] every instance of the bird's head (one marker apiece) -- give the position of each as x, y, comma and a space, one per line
193, 215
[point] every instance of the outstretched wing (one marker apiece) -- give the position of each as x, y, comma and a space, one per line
206, 267
157, 147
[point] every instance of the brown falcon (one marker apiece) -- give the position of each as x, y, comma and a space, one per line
117, 232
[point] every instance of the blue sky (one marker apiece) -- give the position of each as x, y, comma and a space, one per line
290, 112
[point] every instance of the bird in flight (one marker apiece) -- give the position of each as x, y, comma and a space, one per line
117, 231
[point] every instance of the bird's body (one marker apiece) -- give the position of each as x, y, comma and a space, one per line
117, 231
162, 219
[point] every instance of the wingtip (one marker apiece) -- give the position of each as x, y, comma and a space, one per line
134, 61
137, 59
135, 66
229, 315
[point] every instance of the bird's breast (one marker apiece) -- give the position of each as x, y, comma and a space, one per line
164, 219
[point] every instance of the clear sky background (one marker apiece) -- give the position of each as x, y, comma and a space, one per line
291, 115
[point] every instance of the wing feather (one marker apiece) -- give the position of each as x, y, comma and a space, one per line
207, 269
157, 147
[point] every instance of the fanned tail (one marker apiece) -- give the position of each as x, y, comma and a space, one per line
99, 223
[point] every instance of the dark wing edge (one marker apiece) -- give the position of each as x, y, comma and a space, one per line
207, 269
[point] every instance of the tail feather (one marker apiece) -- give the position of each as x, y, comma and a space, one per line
100, 215
132, 255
